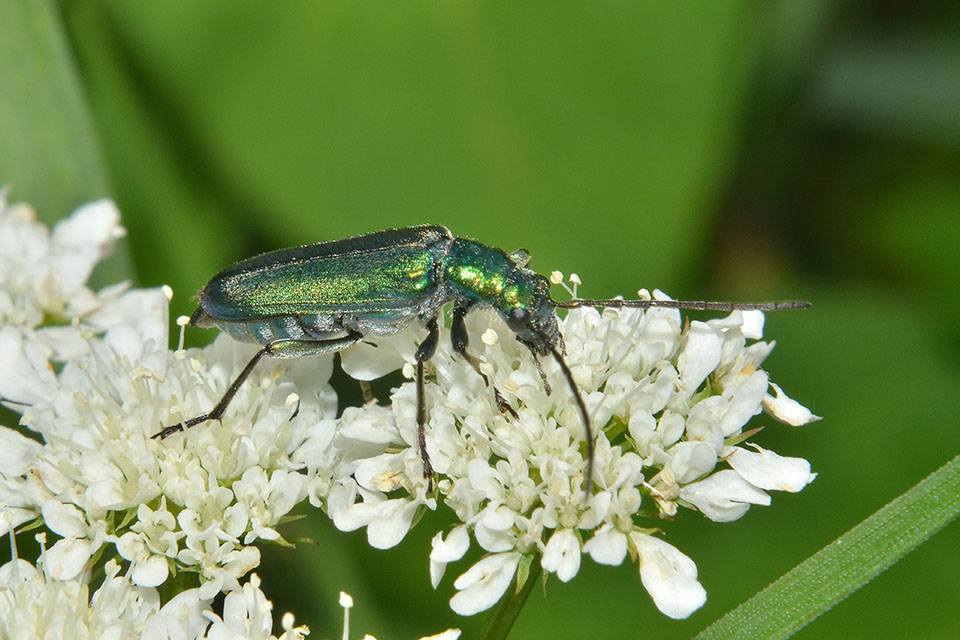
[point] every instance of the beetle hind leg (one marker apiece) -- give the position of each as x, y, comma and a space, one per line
277, 349
424, 352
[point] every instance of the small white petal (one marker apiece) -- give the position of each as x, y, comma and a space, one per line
16, 452
769, 470
752, 326
494, 528
745, 403
449, 634
151, 572
669, 577
67, 558
392, 523
80, 241
26, 376
13, 517
562, 554
484, 583
724, 496
453, 547
700, 356
181, 617
381, 473
446, 551
108, 492
690, 460
143, 310
131, 546
364, 361
64, 519
786, 409
607, 546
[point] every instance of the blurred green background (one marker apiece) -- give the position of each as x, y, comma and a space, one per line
722, 150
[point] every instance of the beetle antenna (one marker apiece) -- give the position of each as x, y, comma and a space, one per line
693, 305
583, 415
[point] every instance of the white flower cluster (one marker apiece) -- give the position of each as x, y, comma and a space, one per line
36, 604
669, 402
92, 376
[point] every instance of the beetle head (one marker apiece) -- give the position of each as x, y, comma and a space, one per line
529, 312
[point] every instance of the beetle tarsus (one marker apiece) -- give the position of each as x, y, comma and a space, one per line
180, 426
502, 403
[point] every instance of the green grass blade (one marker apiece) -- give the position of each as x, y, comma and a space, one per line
847, 563
49, 153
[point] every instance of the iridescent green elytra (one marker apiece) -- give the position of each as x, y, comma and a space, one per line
324, 297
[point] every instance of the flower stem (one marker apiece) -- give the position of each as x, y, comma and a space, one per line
505, 612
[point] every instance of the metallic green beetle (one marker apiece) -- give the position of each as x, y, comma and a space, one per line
324, 297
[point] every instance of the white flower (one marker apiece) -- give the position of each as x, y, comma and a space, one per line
485, 583
607, 546
146, 569
767, 470
668, 576
46, 273
36, 606
447, 551
724, 496
149, 543
247, 615
69, 556
562, 554
220, 564
183, 616
387, 519
786, 409
267, 501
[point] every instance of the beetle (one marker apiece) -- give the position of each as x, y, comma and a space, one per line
324, 297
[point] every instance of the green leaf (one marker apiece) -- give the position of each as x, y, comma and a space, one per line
48, 151
847, 563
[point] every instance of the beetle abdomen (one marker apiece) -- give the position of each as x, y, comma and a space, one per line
375, 283
381, 273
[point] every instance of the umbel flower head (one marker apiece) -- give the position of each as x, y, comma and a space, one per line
672, 401
92, 377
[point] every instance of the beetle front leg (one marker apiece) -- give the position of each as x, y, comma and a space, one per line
276, 349
460, 338
536, 361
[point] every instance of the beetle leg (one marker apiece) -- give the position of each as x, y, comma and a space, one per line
536, 361
460, 338
425, 352
277, 349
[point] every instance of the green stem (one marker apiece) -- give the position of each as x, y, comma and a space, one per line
176, 584
505, 612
